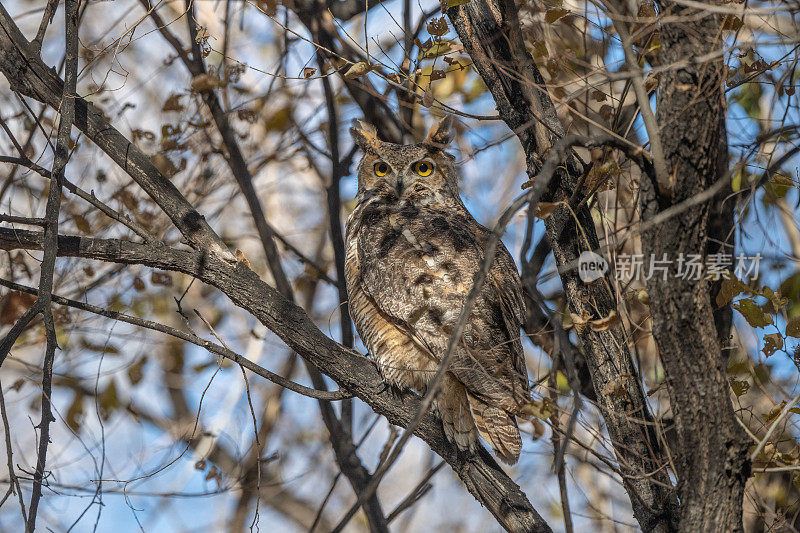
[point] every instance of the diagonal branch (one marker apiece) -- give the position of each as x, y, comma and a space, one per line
354, 373
194, 339
29, 76
235, 159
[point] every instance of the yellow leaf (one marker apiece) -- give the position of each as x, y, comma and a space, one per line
135, 373
74, 415
739, 387
775, 299
643, 297
240, 257
562, 383
279, 120
108, 400
438, 49
270, 7
127, 198
82, 224
173, 103
437, 27
165, 165
651, 82
427, 98
545, 209
773, 413
105, 348
729, 288
206, 82
731, 23
438, 75
357, 70
541, 409
599, 96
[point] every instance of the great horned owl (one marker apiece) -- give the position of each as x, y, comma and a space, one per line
412, 253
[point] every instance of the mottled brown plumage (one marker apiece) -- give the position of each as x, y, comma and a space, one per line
413, 250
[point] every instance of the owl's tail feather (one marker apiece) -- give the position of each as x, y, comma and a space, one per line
498, 428
454, 410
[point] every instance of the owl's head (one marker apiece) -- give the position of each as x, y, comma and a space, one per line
419, 173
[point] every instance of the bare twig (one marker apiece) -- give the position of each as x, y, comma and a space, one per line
47, 19
649, 118
416, 493
50, 245
29, 76
13, 480
773, 426
558, 445
27, 221
194, 339
134, 226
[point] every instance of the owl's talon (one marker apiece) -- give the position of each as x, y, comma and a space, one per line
397, 393
394, 390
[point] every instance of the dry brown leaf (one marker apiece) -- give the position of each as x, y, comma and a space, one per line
602, 324
240, 257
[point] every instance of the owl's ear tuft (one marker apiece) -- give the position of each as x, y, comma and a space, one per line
365, 136
440, 134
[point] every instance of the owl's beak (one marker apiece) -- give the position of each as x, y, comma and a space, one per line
399, 185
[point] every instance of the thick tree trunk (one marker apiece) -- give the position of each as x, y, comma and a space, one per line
712, 466
491, 34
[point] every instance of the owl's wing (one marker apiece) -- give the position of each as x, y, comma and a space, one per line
505, 279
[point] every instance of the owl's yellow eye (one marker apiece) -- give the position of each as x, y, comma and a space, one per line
381, 169
423, 168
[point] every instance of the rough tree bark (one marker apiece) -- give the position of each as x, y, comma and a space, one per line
712, 466
491, 34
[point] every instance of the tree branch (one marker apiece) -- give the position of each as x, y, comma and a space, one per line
194, 339
28, 75
354, 373
50, 246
